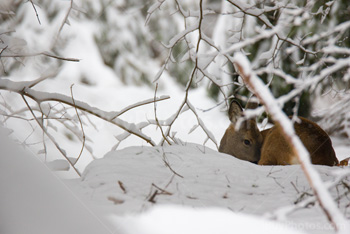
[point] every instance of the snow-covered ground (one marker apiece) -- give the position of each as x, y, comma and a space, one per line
133, 180
172, 189
185, 188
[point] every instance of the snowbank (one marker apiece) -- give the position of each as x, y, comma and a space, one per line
133, 180
34, 200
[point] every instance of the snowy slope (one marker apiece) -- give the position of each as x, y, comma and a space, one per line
135, 179
34, 200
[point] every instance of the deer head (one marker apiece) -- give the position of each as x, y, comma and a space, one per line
242, 138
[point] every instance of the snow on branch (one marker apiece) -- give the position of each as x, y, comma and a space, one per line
276, 37
260, 15
152, 9
199, 66
25, 89
265, 96
111, 116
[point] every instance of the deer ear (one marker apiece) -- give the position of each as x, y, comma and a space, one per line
235, 111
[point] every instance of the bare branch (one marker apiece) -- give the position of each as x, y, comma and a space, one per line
36, 13
152, 9
320, 191
142, 103
156, 118
40, 97
38, 54
259, 14
64, 21
202, 125
81, 125
50, 136
191, 79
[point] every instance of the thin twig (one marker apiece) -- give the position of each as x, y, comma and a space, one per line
81, 125
163, 191
149, 101
295, 187
259, 14
64, 21
156, 118
121, 185
50, 137
191, 79
165, 160
40, 53
36, 13
2, 50
40, 97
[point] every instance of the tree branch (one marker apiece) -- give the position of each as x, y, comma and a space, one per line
23, 89
320, 191
50, 136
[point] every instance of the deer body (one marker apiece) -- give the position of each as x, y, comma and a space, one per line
269, 147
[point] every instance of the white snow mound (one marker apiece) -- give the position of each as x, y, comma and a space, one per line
132, 180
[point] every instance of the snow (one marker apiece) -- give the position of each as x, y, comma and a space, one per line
172, 189
196, 185
185, 220
198, 180
34, 200
58, 165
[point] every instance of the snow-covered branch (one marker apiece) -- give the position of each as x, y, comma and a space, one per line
111, 116
265, 96
196, 70
25, 89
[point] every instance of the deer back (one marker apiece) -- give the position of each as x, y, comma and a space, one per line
269, 147
277, 151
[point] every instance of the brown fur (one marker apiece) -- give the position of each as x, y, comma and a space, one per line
276, 150
269, 147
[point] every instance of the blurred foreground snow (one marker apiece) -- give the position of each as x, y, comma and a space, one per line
185, 220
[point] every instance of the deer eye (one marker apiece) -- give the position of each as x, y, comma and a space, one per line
247, 142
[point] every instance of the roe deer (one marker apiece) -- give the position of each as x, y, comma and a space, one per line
269, 147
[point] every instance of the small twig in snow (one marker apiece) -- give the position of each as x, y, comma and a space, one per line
165, 160
153, 196
163, 191
116, 201
295, 187
121, 185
